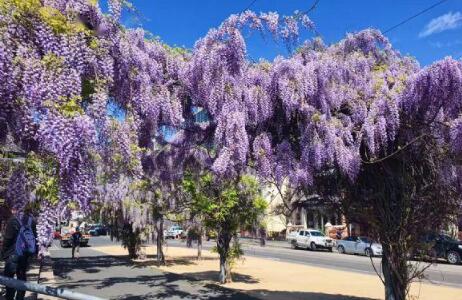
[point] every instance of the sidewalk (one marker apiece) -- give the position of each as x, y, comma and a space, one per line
274, 280
112, 275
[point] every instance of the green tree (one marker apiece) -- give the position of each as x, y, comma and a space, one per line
225, 206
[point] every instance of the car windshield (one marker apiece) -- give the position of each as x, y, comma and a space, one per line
366, 240
316, 233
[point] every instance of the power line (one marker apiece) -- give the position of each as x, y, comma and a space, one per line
315, 3
249, 6
414, 16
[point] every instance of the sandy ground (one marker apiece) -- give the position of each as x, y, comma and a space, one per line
268, 279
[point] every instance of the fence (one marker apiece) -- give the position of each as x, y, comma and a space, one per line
45, 290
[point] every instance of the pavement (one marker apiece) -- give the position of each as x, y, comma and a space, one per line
114, 276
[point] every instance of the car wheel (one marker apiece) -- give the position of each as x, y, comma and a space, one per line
294, 245
62, 244
368, 252
341, 249
313, 246
453, 257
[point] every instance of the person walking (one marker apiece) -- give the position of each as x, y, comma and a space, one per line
76, 237
18, 246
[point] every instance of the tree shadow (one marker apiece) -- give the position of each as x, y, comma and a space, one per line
214, 275
151, 261
91, 264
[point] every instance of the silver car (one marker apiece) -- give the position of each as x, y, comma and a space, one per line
359, 245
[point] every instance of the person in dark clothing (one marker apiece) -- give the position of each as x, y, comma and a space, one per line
76, 237
14, 264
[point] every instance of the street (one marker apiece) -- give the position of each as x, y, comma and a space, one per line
440, 274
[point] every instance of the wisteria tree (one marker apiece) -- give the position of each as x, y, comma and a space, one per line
357, 106
61, 64
397, 155
390, 128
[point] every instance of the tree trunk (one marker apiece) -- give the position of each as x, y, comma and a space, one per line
199, 246
223, 241
394, 267
131, 240
225, 272
160, 241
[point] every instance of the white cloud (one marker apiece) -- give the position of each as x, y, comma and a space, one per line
442, 23
449, 44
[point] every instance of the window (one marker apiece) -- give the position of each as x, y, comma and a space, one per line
365, 240
316, 233
302, 233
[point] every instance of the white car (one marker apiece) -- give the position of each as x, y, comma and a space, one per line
359, 245
175, 232
310, 239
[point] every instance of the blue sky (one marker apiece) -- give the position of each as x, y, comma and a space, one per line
429, 37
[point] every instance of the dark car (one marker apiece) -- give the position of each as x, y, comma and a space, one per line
441, 246
97, 230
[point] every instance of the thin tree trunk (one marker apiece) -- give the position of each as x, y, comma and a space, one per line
189, 241
223, 241
160, 241
199, 246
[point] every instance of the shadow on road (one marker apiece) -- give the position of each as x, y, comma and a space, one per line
183, 261
92, 264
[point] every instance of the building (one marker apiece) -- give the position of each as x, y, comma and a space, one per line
275, 223
309, 212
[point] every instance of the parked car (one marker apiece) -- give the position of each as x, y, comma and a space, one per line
175, 232
66, 238
359, 245
310, 239
96, 230
56, 235
442, 246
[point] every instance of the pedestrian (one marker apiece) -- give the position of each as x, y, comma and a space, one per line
18, 246
75, 240
262, 236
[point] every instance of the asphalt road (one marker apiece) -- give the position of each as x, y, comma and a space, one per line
441, 273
